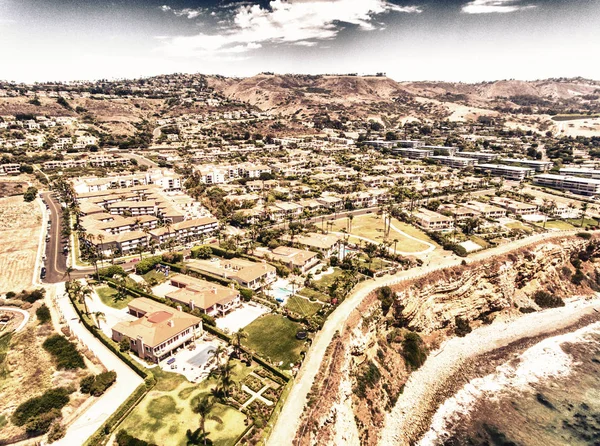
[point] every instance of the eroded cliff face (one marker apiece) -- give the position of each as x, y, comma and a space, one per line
365, 369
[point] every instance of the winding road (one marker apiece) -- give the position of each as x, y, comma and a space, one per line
18, 310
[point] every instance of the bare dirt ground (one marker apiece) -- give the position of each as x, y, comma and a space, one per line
20, 225
10, 188
579, 127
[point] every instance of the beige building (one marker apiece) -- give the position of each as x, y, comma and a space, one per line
432, 221
326, 244
245, 272
158, 331
209, 297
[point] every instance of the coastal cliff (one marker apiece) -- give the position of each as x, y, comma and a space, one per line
363, 375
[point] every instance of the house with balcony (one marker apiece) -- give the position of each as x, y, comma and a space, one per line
210, 298
158, 331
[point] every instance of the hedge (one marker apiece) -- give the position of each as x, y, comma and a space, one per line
100, 436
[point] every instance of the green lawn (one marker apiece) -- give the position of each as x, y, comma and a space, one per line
153, 274
518, 225
108, 297
302, 306
273, 337
586, 222
324, 282
310, 293
165, 414
371, 226
557, 224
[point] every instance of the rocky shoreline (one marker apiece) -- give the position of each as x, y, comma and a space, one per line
459, 360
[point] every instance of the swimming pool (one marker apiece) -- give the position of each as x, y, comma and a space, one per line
281, 291
201, 358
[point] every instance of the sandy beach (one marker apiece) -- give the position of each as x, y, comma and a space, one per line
459, 360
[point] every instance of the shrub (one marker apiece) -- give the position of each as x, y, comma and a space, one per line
462, 327
86, 383
43, 314
386, 296
30, 194
172, 257
112, 271
413, 350
125, 345
144, 266
102, 382
32, 296
202, 252
124, 439
246, 294
64, 353
546, 300
526, 310
367, 378
55, 398
584, 235
56, 432
577, 278
40, 424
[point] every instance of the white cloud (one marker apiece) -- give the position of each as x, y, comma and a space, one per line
494, 6
299, 22
185, 12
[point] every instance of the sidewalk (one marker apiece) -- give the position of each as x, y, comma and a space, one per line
127, 380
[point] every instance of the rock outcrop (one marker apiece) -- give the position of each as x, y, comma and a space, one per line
365, 371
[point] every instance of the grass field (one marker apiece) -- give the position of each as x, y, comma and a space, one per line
310, 293
518, 225
556, 224
586, 222
153, 274
371, 227
108, 297
302, 306
166, 413
273, 337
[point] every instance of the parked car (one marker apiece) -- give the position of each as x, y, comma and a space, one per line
43, 273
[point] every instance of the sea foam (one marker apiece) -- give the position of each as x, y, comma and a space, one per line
545, 360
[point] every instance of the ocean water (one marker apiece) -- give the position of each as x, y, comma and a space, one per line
548, 395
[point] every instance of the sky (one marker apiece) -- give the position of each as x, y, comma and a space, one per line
409, 40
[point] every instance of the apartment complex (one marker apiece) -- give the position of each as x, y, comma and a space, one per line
508, 172
432, 221
576, 185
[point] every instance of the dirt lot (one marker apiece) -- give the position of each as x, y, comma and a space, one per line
10, 188
20, 225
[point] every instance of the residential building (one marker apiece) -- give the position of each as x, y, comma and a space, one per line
454, 161
580, 172
575, 185
326, 244
413, 153
486, 210
158, 331
246, 273
211, 298
10, 169
480, 156
432, 221
538, 166
508, 172
293, 258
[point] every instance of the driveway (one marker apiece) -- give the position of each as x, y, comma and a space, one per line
18, 310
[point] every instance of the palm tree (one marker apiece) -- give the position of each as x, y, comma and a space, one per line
350, 218
203, 408
100, 238
68, 272
237, 339
99, 315
395, 242
584, 207
85, 292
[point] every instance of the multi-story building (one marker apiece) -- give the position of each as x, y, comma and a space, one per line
432, 221
486, 210
414, 153
158, 331
580, 172
10, 169
455, 162
508, 172
442, 150
480, 156
209, 297
538, 166
576, 185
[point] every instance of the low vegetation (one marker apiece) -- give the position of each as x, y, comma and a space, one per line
366, 378
38, 413
546, 300
43, 314
64, 353
96, 385
414, 350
